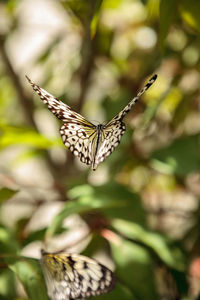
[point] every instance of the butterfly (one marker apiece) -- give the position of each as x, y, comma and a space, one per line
91, 143
73, 276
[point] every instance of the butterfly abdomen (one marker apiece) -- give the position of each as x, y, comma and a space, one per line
99, 131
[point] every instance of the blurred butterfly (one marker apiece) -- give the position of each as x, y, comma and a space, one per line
73, 276
91, 143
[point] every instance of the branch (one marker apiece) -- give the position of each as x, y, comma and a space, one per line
28, 111
25, 102
87, 56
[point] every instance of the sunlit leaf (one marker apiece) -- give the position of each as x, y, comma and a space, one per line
182, 155
112, 4
11, 5
129, 204
189, 10
134, 268
28, 271
22, 136
159, 244
111, 199
7, 284
95, 18
87, 202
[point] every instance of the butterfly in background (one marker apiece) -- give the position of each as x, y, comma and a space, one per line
73, 276
91, 143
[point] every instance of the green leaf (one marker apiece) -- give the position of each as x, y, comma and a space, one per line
7, 284
167, 11
112, 4
182, 156
95, 18
163, 248
8, 242
133, 269
80, 8
6, 194
189, 10
110, 199
15, 135
35, 236
28, 271
120, 291
97, 244
129, 205
86, 202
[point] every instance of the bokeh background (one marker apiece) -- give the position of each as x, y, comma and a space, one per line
138, 213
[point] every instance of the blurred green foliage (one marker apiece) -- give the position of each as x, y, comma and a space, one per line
140, 210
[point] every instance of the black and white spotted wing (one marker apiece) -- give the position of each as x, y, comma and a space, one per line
119, 117
91, 143
80, 140
77, 133
61, 110
114, 129
73, 276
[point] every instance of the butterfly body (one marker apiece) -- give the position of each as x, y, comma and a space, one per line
91, 143
99, 133
73, 276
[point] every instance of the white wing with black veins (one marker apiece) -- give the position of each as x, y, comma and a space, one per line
73, 276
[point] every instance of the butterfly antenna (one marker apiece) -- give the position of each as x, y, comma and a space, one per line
28, 79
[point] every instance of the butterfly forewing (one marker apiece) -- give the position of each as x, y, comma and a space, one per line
127, 108
58, 108
73, 276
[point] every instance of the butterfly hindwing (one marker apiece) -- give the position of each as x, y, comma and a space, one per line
78, 140
111, 137
73, 276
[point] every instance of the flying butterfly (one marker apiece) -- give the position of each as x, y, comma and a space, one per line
91, 143
73, 276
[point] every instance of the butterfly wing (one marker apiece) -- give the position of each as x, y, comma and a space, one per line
113, 131
77, 133
58, 108
119, 117
73, 276
80, 140
80, 135
110, 139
